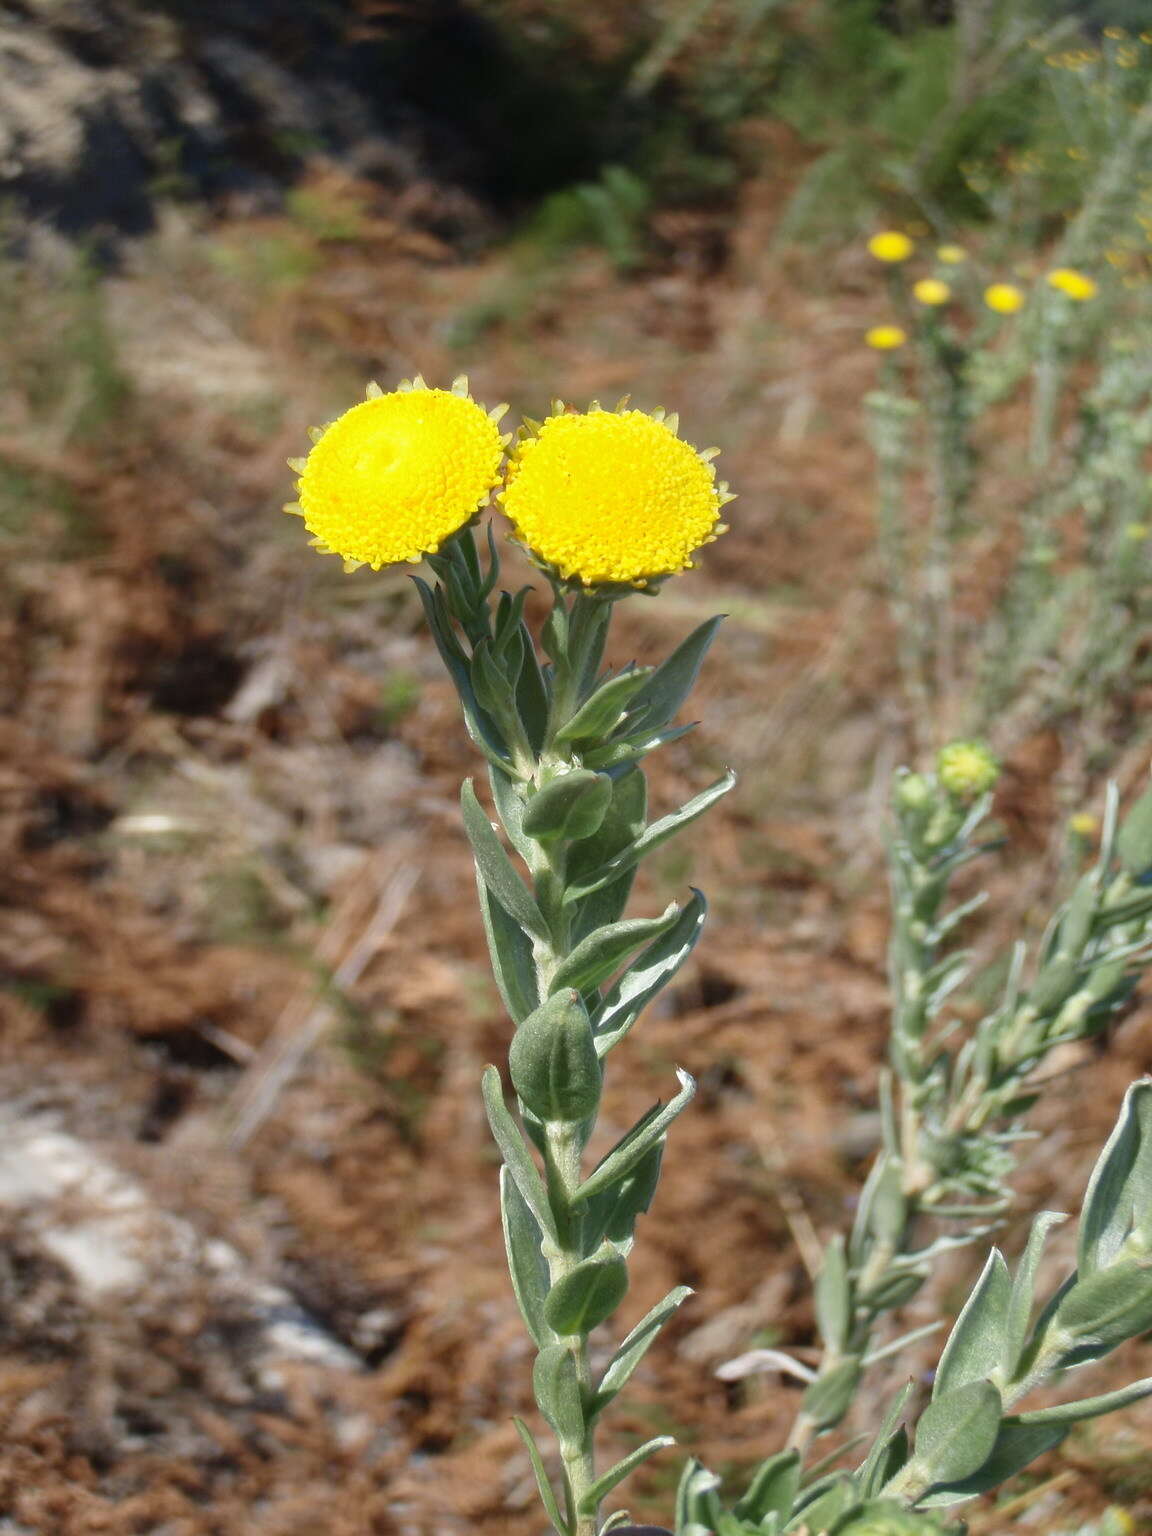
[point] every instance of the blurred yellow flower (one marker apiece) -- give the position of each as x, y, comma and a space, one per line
885, 338
1084, 824
951, 255
608, 497
1074, 285
931, 291
967, 769
1004, 298
890, 245
398, 474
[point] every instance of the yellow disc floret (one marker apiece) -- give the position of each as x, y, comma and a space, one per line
612, 497
398, 474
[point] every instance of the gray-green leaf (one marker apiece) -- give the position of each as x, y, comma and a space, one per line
556, 1388
572, 806
601, 954
1119, 1195
605, 1483
633, 1349
1016, 1445
510, 950
673, 680
588, 1294
526, 1263
976, 1345
956, 1433
639, 1141
649, 973
515, 1154
599, 714
653, 836
773, 1488
496, 868
543, 1481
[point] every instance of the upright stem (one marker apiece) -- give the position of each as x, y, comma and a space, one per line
562, 1159
575, 668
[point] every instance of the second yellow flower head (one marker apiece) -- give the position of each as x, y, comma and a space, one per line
611, 497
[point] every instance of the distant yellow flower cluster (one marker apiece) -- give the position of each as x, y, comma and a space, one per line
597, 497
893, 246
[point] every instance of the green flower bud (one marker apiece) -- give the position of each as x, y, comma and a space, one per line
967, 769
553, 1061
913, 792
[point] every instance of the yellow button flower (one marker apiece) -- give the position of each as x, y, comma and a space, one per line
890, 245
931, 291
398, 474
612, 497
885, 338
951, 255
1074, 285
1004, 298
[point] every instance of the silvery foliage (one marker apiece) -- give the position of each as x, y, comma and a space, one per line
565, 741
952, 1106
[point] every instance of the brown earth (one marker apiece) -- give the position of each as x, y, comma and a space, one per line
244, 970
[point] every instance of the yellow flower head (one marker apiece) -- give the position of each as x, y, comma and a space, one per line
890, 245
607, 497
951, 255
931, 291
885, 338
966, 769
1083, 824
1004, 298
398, 474
1074, 285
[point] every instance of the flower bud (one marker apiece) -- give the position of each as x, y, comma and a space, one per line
967, 769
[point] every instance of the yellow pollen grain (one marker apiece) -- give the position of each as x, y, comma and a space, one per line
611, 497
398, 474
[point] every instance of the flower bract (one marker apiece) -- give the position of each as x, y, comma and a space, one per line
931, 291
1072, 284
398, 474
612, 497
885, 338
1004, 298
890, 245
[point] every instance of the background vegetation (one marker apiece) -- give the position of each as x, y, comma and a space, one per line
240, 967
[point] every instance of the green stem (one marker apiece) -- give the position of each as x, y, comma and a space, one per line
562, 1158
